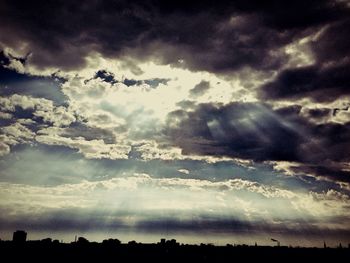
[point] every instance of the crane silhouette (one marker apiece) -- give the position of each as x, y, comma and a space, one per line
275, 240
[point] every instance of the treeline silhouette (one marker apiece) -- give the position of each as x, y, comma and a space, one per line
112, 250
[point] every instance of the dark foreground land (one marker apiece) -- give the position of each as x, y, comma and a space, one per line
39, 251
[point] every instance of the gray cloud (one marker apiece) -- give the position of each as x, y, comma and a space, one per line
318, 113
4, 149
154, 83
200, 89
79, 129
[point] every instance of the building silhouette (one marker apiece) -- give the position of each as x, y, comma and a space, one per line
19, 236
162, 241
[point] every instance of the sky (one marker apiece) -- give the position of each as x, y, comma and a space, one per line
207, 121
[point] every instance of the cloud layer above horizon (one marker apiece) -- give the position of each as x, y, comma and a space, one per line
152, 115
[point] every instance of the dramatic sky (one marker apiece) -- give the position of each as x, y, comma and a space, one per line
216, 121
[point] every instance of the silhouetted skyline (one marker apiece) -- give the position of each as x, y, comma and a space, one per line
19, 237
164, 250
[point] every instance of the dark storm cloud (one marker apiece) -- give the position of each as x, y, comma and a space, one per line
290, 111
333, 45
320, 84
318, 113
329, 141
66, 31
334, 172
294, 14
249, 131
257, 132
4, 60
106, 76
196, 32
154, 83
110, 78
326, 80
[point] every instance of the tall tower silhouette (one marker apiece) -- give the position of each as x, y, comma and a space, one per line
19, 236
